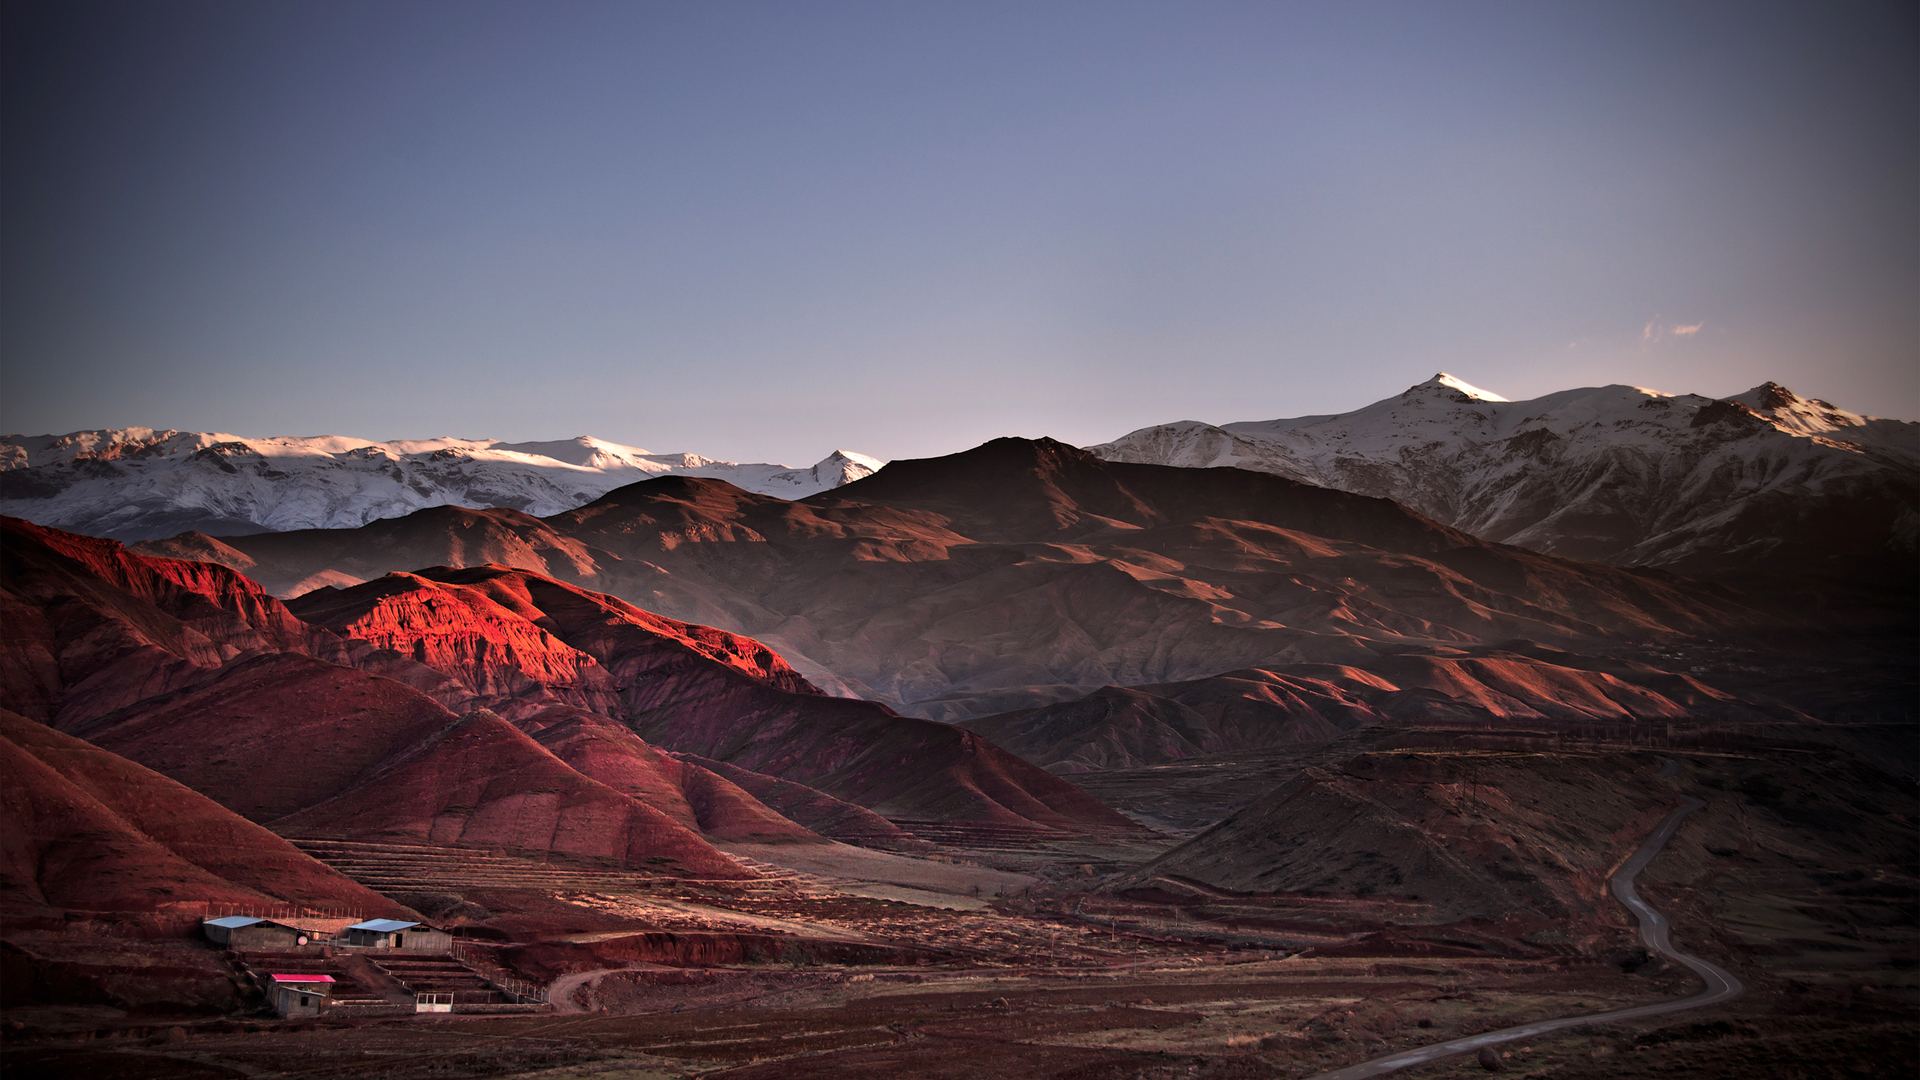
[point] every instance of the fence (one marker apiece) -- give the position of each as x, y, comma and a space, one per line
276, 912
482, 964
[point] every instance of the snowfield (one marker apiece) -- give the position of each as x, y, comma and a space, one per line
141, 483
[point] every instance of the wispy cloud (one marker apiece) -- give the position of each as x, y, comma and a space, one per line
1656, 331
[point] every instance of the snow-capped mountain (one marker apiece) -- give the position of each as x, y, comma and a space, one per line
139, 483
1760, 480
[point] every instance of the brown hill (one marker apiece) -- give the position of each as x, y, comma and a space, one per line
1118, 728
89, 830
1023, 573
316, 749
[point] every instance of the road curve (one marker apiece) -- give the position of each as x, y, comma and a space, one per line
1654, 934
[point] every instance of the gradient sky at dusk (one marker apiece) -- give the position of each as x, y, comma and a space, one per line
763, 230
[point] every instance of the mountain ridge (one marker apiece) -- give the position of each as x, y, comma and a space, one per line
939, 586
146, 483
1762, 480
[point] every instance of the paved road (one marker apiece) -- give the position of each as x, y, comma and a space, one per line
1721, 984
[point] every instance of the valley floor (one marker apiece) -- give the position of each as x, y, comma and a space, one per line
1025, 961
1264, 1018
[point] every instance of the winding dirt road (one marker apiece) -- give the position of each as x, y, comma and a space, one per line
1654, 934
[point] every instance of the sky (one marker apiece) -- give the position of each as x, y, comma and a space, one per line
763, 231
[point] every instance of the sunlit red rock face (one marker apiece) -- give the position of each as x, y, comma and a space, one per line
210, 682
88, 830
373, 720
525, 644
87, 627
1023, 573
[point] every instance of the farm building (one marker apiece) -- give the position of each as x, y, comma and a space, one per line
248, 932
298, 995
395, 934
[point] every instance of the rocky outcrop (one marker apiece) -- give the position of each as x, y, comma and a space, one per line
89, 627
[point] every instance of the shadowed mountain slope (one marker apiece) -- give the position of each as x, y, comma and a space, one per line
1022, 573
1482, 835
1517, 684
484, 783
695, 797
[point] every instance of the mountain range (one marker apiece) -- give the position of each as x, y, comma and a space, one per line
1025, 573
490, 708
1763, 481
141, 483
1023, 700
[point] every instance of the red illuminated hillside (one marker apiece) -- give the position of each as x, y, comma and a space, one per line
693, 689
88, 830
87, 627
192, 671
356, 728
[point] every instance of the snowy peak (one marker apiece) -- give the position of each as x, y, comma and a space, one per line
1616, 473
146, 483
1446, 382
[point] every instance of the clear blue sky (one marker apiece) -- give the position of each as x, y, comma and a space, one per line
763, 230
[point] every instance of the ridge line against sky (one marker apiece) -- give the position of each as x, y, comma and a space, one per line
760, 231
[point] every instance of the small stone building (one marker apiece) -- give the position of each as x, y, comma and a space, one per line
299, 995
395, 934
244, 932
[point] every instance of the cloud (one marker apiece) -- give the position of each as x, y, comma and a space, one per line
1656, 332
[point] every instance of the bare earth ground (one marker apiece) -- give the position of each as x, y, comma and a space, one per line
1014, 965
